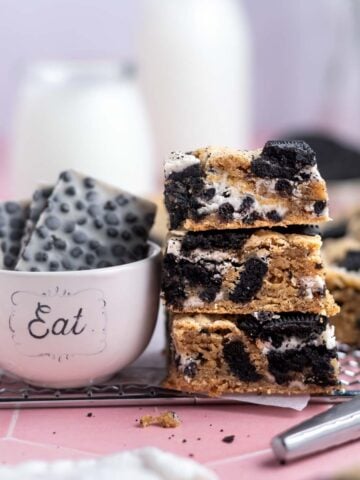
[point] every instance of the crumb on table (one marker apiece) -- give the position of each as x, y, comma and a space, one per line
164, 420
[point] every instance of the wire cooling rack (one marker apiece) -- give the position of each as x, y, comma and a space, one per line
140, 386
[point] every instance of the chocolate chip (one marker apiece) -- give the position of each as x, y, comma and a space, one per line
82, 221
208, 194
93, 244
284, 187
41, 257
111, 218
130, 218
226, 211
59, 244
110, 205
65, 176
121, 200
190, 369
125, 235
52, 222
91, 196
98, 224
79, 205
67, 265
12, 207
65, 208
252, 218
274, 216
246, 204
89, 182
79, 237
94, 210
89, 259
209, 294
70, 191
54, 266
48, 246
69, 227
76, 252
319, 206
112, 232
9, 261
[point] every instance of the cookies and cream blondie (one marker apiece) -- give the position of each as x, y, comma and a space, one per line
223, 188
241, 271
262, 352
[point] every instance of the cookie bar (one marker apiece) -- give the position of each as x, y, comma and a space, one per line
343, 280
241, 271
346, 226
224, 188
263, 352
87, 224
37, 206
13, 216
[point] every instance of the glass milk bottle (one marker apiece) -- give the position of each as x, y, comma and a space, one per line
194, 68
88, 116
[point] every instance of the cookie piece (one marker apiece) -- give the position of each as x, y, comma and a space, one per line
87, 224
13, 217
263, 352
342, 257
224, 188
241, 271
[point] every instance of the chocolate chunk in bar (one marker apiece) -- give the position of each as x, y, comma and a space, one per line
13, 217
86, 224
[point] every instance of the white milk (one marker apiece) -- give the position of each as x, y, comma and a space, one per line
194, 68
83, 115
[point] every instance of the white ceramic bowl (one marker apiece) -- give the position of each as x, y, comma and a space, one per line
69, 329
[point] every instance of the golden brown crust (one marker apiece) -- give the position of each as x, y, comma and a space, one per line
210, 387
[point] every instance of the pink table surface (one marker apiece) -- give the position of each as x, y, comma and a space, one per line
73, 433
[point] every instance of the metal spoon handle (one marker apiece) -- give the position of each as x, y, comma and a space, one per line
338, 425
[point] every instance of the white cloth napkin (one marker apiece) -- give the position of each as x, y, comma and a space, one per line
143, 464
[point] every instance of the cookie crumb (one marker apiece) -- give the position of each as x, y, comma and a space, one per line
89, 414
164, 420
228, 439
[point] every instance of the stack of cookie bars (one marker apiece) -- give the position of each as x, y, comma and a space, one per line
243, 279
